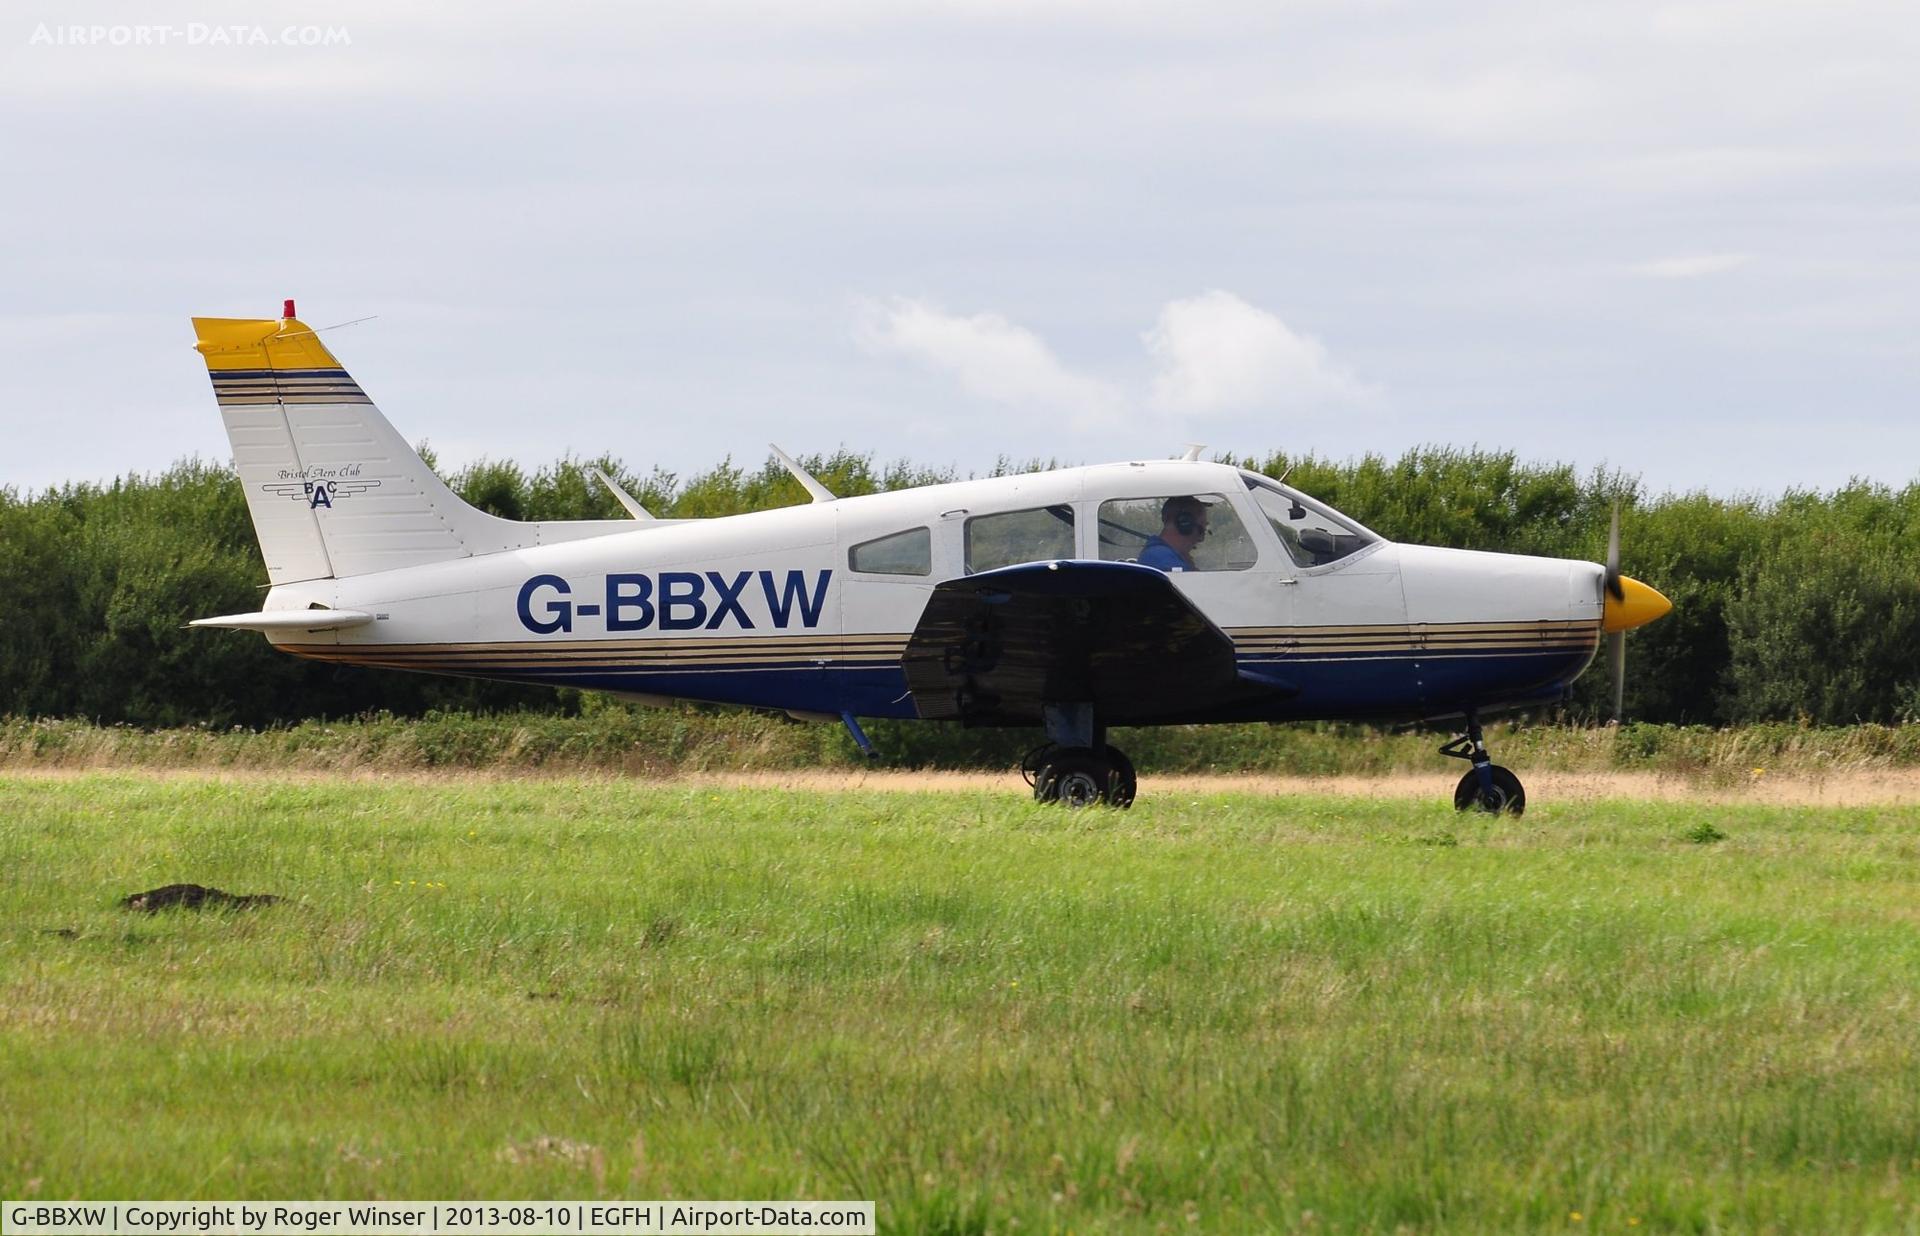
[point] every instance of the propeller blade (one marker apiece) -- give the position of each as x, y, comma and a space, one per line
1617, 655
1613, 557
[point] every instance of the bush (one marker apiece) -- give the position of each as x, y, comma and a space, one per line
1801, 609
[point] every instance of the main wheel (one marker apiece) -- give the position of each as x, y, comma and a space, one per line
1124, 782
1507, 795
1076, 777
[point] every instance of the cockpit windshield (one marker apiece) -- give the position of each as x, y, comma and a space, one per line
1313, 534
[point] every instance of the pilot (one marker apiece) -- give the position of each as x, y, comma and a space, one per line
1183, 525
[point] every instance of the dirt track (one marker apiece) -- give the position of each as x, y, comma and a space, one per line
1848, 788
1844, 789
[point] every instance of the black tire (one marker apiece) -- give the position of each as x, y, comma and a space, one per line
1508, 797
1075, 777
1124, 782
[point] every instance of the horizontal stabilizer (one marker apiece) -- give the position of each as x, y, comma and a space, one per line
288, 620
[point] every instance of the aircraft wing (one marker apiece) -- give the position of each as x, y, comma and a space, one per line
994, 648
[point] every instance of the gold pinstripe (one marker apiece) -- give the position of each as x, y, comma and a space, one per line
636, 660
790, 649
721, 653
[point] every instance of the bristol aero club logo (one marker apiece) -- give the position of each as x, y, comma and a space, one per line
318, 487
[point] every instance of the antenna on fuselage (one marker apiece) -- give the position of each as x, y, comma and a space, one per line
622, 496
1193, 450
808, 481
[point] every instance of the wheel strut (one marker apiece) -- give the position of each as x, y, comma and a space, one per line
1486, 785
1472, 746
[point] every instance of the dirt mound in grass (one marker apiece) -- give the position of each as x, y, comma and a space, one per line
193, 897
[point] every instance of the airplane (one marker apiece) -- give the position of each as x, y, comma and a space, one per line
1150, 592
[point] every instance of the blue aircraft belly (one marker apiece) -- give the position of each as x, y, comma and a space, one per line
1354, 685
1400, 686
1328, 688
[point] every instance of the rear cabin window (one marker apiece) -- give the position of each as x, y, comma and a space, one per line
1039, 535
1131, 527
903, 553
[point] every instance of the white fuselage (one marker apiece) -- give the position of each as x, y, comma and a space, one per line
769, 609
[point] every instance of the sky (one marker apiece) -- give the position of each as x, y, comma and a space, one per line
1677, 239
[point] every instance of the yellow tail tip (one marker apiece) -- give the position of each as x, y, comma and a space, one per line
260, 343
1637, 605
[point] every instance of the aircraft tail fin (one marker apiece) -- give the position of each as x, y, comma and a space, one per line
332, 487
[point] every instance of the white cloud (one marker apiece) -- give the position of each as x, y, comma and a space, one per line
1212, 354
1692, 266
992, 357
1217, 353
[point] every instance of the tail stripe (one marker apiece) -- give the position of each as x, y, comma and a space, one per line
242, 388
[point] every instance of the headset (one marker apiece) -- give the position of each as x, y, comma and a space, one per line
1182, 517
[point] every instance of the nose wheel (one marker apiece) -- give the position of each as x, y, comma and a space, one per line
1506, 794
1486, 786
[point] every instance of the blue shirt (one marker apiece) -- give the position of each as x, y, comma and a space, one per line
1161, 556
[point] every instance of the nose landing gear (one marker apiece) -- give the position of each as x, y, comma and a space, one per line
1486, 786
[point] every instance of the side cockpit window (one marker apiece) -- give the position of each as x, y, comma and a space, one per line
1012, 537
903, 553
1313, 534
1178, 532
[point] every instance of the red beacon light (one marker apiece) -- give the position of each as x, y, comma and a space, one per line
287, 309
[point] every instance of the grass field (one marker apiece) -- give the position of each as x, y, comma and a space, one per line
653, 743
1213, 1012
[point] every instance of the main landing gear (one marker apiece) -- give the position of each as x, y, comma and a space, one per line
1076, 767
1487, 786
1080, 776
